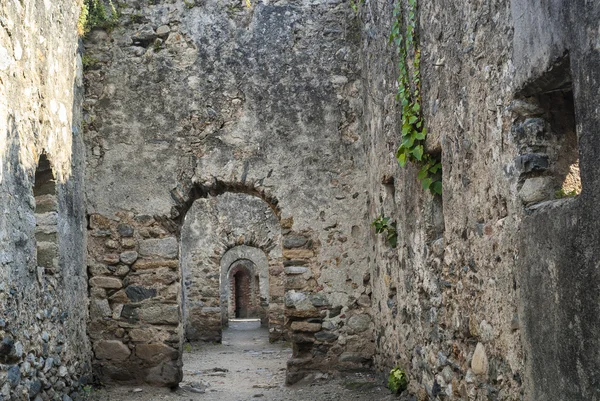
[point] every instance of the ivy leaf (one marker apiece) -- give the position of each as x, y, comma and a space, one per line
401, 159
420, 136
392, 239
418, 152
422, 174
435, 168
412, 119
408, 142
426, 183
436, 187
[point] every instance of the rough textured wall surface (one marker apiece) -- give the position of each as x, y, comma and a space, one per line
213, 227
492, 290
186, 99
43, 287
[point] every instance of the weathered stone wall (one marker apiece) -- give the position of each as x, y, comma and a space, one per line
189, 99
135, 306
44, 352
484, 296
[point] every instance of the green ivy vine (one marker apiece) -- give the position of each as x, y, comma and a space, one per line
414, 132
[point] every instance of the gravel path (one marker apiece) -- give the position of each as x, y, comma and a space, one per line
247, 367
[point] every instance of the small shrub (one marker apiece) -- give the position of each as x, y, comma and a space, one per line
384, 225
88, 62
562, 194
95, 15
398, 381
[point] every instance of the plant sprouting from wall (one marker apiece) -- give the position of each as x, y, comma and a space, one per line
355, 5
398, 380
97, 14
412, 145
385, 225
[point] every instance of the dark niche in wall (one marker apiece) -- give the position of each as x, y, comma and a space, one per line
547, 167
46, 215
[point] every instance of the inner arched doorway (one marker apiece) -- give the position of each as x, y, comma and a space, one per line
246, 285
243, 288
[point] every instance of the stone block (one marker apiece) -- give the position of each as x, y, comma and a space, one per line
47, 255
159, 314
326, 336
155, 353
163, 31
294, 241
120, 297
113, 350
98, 221
137, 294
128, 257
479, 363
536, 189
531, 162
149, 278
354, 357
302, 338
119, 270
125, 230
292, 298
305, 326
106, 282
298, 253
128, 243
163, 247
319, 300
99, 308
359, 323
166, 374
46, 203
142, 264
295, 283
293, 270
302, 313
111, 258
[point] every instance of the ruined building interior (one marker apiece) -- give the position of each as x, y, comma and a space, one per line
377, 184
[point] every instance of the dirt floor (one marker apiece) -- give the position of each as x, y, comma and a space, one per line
247, 367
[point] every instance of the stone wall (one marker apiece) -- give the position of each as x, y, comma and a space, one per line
473, 301
44, 351
188, 100
135, 299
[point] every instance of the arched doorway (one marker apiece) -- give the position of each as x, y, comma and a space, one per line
243, 286
229, 243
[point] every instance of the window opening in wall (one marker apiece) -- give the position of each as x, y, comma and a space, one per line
546, 135
46, 214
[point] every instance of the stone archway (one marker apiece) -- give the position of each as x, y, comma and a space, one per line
217, 232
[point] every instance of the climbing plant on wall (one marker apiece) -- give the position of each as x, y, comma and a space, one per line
412, 146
